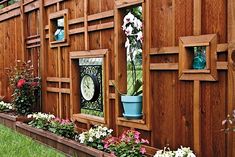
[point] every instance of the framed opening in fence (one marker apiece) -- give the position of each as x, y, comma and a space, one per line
197, 57
58, 29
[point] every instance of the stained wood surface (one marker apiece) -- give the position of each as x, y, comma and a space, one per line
169, 103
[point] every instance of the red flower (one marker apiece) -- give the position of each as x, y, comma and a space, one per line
21, 83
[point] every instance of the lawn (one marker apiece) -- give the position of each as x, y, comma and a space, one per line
13, 144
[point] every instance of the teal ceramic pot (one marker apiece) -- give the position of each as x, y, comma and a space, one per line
199, 61
59, 35
132, 106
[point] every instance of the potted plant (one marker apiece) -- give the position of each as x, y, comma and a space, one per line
180, 152
25, 87
132, 27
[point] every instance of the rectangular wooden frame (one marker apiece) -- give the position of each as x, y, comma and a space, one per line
207, 74
120, 68
74, 86
53, 16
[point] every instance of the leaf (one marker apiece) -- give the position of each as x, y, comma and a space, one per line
136, 88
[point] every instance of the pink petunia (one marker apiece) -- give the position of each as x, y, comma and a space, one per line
142, 150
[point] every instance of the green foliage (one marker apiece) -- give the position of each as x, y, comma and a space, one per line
62, 127
92, 112
25, 86
13, 144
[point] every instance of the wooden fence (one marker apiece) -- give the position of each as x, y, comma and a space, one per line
180, 107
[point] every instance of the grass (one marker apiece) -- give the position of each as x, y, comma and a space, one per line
13, 144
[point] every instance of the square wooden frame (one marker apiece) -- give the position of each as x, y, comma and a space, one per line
186, 57
52, 17
74, 86
120, 68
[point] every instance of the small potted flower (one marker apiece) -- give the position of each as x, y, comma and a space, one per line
132, 27
25, 87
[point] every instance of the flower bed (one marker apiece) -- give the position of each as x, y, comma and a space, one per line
65, 145
9, 119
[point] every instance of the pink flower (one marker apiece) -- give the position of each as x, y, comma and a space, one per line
137, 135
57, 119
21, 83
142, 150
144, 141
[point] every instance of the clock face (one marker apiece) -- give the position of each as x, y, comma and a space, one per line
88, 87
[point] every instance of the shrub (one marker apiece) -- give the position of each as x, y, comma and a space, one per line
94, 137
62, 127
40, 120
25, 86
129, 144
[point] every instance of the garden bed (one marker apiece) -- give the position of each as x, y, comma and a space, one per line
9, 119
65, 145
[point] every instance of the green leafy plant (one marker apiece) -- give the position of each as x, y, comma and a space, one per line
94, 137
129, 144
5, 107
40, 120
26, 87
62, 127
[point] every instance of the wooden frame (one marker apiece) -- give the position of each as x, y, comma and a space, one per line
74, 86
186, 45
120, 68
52, 17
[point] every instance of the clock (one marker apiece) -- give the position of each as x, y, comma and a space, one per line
89, 87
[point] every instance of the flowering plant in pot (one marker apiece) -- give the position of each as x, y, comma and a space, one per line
229, 123
25, 86
132, 27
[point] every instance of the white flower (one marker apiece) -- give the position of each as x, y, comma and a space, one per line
90, 139
137, 23
140, 36
129, 18
129, 30
127, 44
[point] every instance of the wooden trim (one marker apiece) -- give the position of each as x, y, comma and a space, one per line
222, 65
76, 21
164, 66
58, 90
51, 2
88, 119
222, 47
86, 25
231, 71
101, 15
127, 3
88, 54
33, 46
164, 50
102, 26
56, 79
197, 17
197, 118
